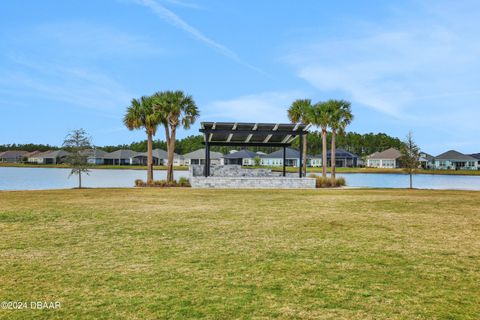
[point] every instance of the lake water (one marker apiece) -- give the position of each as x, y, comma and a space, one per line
54, 178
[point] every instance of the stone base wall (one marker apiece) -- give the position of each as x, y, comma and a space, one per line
252, 182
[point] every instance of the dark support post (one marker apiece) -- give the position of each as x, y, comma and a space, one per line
284, 159
207, 147
208, 160
300, 167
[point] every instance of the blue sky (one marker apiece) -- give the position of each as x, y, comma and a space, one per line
404, 65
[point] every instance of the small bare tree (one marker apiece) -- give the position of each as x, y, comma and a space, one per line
78, 143
410, 155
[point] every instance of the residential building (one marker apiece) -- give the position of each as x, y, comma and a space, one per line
389, 158
49, 157
343, 159
121, 157
95, 156
160, 158
198, 157
476, 156
242, 157
14, 156
454, 160
426, 160
275, 159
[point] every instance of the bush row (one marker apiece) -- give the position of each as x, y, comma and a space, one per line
327, 182
182, 182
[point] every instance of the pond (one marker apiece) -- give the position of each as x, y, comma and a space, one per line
55, 178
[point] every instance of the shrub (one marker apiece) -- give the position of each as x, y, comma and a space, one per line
184, 182
322, 182
140, 183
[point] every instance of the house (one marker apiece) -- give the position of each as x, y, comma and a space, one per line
49, 157
14, 156
343, 159
426, 160
160, 158
454, 160
389, 158
476, 156
95, 156
275, 159
121, 157
198, 157
242, 157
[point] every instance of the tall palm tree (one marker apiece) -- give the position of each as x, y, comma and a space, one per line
300, 111
142, 114
321, 114
175, 108
341, 117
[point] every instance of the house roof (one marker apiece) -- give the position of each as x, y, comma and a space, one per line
95, 153
31, 154
241, 155
475, 155
391, 153
339, 153
289, 154
200, 154
425, 156
251, 134
53, 154
159, 154
454, 155
12, 153
120, 154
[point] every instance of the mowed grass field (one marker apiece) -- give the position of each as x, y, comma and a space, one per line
241, 254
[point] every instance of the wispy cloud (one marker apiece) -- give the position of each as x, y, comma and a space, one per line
173, 19
261, 107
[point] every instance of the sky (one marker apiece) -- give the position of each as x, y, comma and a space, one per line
404, 65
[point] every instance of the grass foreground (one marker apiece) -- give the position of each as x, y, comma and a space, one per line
227, 254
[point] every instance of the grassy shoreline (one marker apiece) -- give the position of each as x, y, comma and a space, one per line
288, 254
289, 169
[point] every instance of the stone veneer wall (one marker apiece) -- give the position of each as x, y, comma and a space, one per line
252, 182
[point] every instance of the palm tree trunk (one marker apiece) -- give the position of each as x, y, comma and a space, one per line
324, 153
333, 156
171, 148
80, 180
149, 159
305, 155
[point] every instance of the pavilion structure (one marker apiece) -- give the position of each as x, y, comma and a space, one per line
239, 134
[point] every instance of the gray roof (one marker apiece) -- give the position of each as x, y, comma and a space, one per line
242, 154
95, 153
12, 154
120, 154
289, 154
454, 155
159, 154
475, 155
388, 154
425, 156
200, 154
339, 153
53, 154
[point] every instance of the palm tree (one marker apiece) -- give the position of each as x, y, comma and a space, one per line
175, 108
320, 116
300, 111
142, 114
341, 117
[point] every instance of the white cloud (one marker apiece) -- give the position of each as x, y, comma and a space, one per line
403, 68
262, 107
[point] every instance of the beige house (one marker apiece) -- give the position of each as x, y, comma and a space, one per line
389, 158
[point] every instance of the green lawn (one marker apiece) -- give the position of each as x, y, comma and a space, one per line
227, 254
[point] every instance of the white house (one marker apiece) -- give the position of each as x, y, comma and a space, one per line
275, 159
49, 157
160, 158
198, 157
389, 158
242, 157
121, 157
454, 160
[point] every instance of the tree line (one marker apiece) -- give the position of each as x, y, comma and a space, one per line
357, 143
